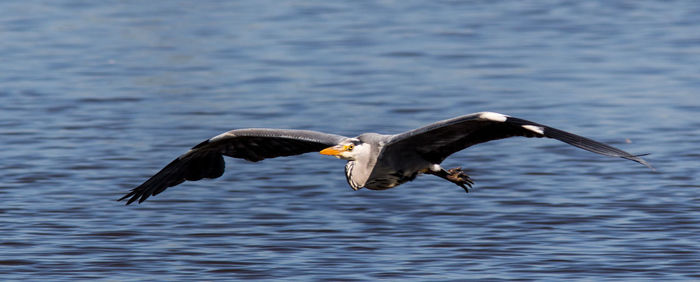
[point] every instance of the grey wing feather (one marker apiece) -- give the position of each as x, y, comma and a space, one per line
437, 141
206, 159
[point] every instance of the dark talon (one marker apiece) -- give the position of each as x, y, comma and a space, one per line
457, 176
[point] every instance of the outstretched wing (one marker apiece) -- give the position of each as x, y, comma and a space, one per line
437, 141
206, 159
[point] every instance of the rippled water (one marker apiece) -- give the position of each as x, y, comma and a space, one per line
97, 96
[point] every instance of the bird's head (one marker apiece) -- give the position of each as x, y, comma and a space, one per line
347, 150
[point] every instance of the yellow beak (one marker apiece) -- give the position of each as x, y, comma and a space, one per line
332, 151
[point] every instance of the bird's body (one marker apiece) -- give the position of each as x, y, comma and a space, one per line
376, 173
375, 161
383, 173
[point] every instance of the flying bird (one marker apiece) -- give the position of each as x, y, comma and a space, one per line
374, 161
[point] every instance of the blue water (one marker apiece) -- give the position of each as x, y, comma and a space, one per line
96, 96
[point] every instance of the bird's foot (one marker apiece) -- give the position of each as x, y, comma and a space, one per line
457, 176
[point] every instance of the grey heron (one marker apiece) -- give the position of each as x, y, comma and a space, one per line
374, 161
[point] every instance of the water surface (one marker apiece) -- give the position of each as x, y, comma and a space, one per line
97, 96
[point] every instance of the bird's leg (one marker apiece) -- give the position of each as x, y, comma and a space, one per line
455, 175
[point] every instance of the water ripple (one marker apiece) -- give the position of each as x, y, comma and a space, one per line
98, 97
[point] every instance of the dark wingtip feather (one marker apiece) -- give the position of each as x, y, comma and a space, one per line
592, 146
637, 158
193, 167
133, 191
134, 194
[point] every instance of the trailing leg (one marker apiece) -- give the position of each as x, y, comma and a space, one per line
455, 175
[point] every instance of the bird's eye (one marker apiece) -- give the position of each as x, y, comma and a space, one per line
350, 147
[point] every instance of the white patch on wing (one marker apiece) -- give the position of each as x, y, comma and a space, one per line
435, 168
534, 128
220, 136
493, 116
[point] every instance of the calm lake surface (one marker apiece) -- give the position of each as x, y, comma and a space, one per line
96, 96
